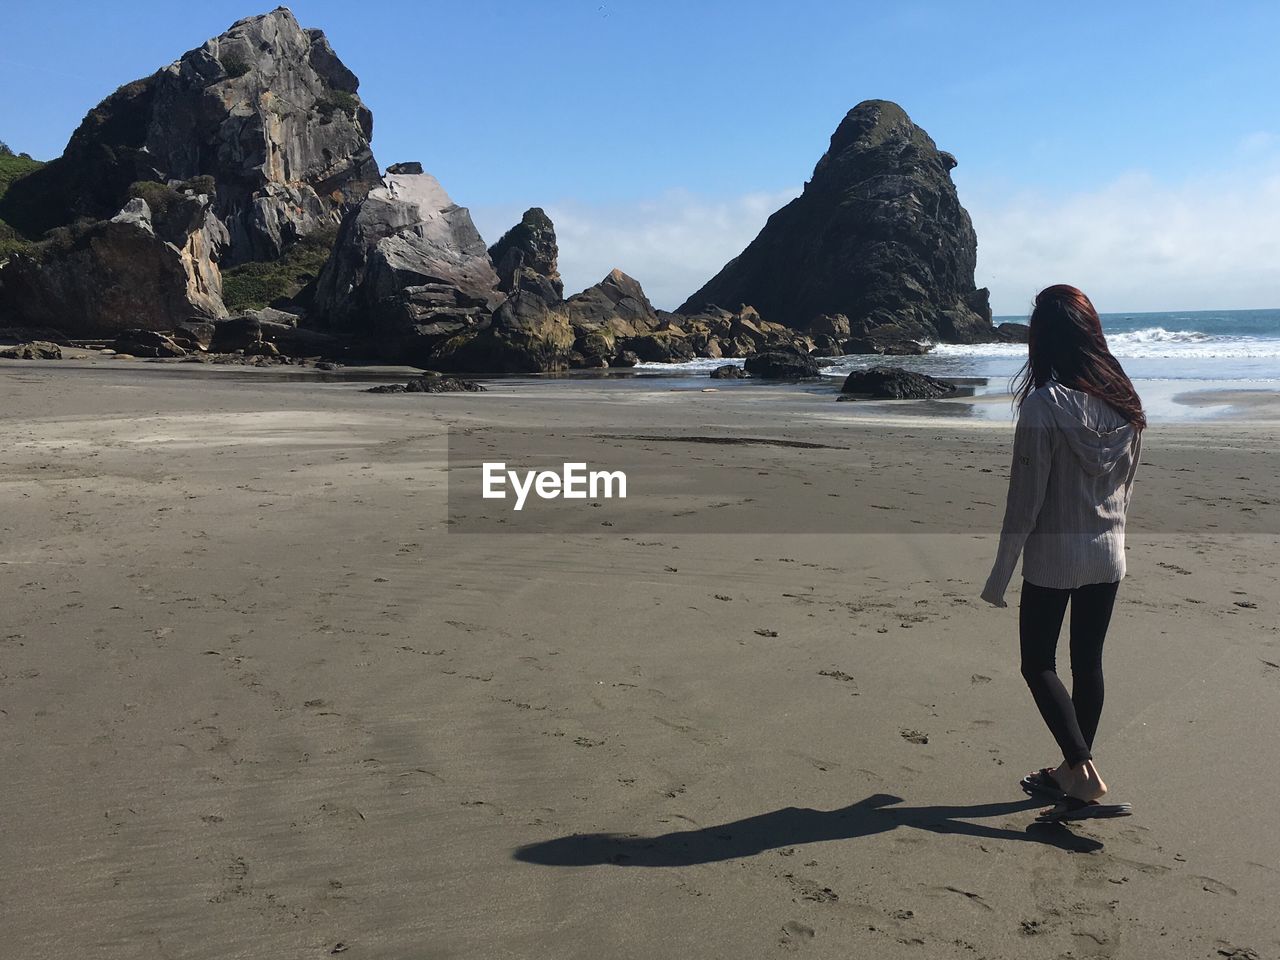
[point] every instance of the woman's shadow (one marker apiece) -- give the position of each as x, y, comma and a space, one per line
793, 826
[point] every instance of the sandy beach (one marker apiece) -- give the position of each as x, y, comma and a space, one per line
260, 698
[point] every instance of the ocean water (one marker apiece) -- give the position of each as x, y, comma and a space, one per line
1165, 354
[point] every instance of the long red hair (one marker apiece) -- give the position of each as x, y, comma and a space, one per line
1066, 344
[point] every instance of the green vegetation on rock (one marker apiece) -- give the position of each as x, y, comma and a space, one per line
335, 101
12, 167
235, 65
252, 286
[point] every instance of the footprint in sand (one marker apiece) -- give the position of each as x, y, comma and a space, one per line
1211, 885
795, 933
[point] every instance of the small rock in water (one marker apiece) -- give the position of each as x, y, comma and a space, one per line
781, 365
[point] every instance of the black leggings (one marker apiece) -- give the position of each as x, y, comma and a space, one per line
1073, 720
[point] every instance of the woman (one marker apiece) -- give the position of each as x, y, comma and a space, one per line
1075, 452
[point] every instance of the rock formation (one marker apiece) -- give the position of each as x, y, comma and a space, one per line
230, 154
878, 236
893, 383
408, 273
266, 110
531, 245
32, 350
529, 333
781, 365
134, 270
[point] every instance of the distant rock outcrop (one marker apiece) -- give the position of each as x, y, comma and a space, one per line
264, 118
616, 305
408, 273
878, 236
529, 245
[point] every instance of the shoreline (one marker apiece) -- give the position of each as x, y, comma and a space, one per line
1169, 401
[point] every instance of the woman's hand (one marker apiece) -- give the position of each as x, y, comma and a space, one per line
993, 596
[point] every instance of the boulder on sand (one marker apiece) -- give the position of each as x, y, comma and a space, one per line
728, 371
430, 382
32, 350
893, 383
147, 343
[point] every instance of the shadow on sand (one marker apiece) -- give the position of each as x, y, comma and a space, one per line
792, 826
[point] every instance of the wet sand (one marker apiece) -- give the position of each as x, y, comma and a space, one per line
257, 699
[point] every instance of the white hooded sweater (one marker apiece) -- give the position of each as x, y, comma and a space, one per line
1074, 460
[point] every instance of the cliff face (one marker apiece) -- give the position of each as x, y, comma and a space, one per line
266, 109
878, 235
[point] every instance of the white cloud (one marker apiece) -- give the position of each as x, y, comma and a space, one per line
1133, 244
1136, 244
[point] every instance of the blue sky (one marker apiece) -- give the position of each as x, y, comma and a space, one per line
1131, 148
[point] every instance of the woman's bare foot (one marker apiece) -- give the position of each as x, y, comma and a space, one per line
1081, 781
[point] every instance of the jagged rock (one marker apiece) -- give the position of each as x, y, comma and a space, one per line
236, 333
253, 335
529, 245
33, 350
194, 334
1014, 332
408, 167
274, 316
624, 359
146, 343
265, 111
781, 365
835, 326
408, 273
715, 332
431, 383
878, 235
657, 347
119, 274
894, 383
529, 333
888, 339
616, 304
730, 371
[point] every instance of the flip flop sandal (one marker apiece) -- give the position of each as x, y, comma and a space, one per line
1073, 808
1042, 784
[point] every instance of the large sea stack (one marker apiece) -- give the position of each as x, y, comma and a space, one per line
878, 236
239, 149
